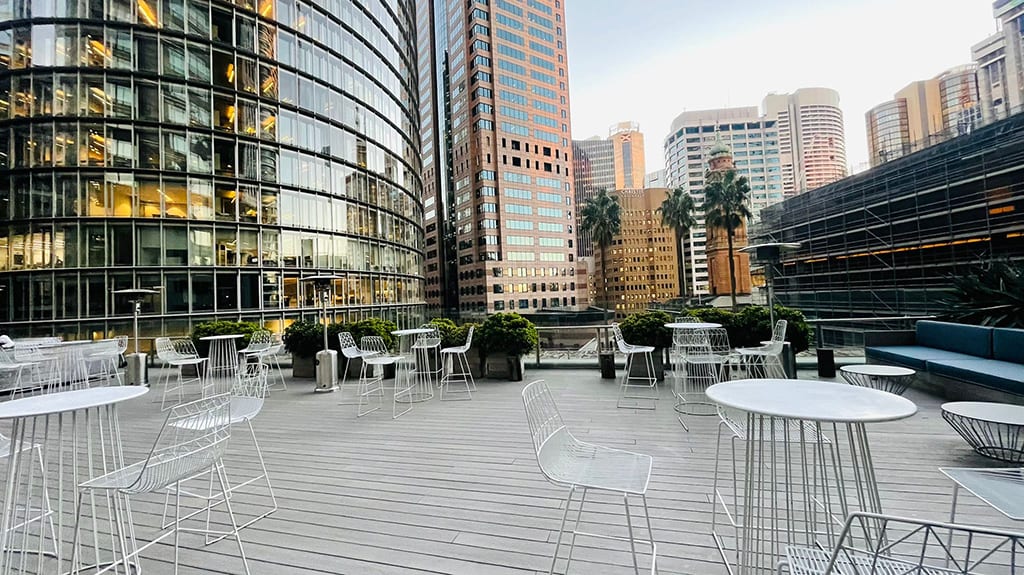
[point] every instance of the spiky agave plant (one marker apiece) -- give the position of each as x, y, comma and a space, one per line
991, 294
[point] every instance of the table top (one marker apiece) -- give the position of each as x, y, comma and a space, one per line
216, 337
411, 331
811, 400
67, 401
985, 411
701, 325
877, 370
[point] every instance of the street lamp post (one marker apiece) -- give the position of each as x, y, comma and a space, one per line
136, 369
326, 359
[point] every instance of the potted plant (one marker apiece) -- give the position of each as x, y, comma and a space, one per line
648, 328
504, 339
303, 339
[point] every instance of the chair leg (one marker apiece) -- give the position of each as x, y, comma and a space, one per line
561, 530
177, 522
231, 515
632, 539
575, 528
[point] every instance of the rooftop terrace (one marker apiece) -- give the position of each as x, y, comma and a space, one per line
453, 487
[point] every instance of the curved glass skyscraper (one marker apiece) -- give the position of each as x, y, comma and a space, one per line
220, 151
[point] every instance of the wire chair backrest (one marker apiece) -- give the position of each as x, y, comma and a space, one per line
260, 340
693, 341
373, 344
872, 543
778, 337
619, 340
122, 344
251, 386
165, 349
194, 437
347, 344
469, 340
431, 338
553, 444
718, 337
185, 347
686, 319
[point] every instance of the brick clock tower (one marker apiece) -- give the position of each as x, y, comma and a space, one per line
717, 247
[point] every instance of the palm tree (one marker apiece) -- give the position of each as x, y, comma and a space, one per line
725, 207
677, 213
601, 218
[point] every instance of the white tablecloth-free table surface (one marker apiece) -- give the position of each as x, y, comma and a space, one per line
75, 435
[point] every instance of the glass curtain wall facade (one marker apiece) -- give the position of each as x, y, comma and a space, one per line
221, 151
885, 242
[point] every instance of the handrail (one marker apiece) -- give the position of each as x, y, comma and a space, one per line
864, 319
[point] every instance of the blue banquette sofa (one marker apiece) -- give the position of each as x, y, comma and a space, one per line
956, 360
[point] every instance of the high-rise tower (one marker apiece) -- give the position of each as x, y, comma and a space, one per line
812, 138
499, 205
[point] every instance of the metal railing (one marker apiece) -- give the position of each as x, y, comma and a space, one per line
571, 345
848, 332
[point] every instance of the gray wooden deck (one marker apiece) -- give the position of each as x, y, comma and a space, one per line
453, 487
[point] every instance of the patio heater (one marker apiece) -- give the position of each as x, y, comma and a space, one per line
771, 254
135, 373
326, 359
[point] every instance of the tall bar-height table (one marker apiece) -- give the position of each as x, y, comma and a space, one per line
222, 368
807, 463
417, 385
689, 400
78, 437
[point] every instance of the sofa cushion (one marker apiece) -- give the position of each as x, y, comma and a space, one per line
913, 356
1008, 344
1002, 375
970, 339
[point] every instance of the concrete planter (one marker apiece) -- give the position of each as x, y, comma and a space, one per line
639, 367
504, 366
303, 367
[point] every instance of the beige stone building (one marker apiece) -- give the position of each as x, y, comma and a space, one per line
717, 247
642, 262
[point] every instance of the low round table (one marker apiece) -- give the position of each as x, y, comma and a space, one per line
995, 430
882, 377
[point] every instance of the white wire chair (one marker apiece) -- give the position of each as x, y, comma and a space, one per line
260, 343
766, 361
179, 353
568, 462
876, 544
104, 357
452, 356
192, 441
371, 377
634, 395
349, 349
14, 370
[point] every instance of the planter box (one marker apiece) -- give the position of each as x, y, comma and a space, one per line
504, 366
639, 366
303, 367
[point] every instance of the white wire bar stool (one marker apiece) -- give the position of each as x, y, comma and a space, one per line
259, 346
877, 544
765, 361
247, 397
568, 462
192, 441
349, 349
702, 368
13, 371
371, 377
637, 391
457, 370
427, 350
103, 359
180, 353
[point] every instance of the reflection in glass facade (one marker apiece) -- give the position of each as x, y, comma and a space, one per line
888, 131
219, 150
885, 242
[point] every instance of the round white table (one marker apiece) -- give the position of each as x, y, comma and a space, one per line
889, 378
807, 465
74, 436
223, 362
995, 430
413, 368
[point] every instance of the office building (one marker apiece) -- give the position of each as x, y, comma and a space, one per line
1000, 59
754, 141
885, 242
495, 129
923, 114
615, 163
593, 170
220, 151
642, 262
656, 179
812, 139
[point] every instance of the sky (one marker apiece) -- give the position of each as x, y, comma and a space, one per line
651, 60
